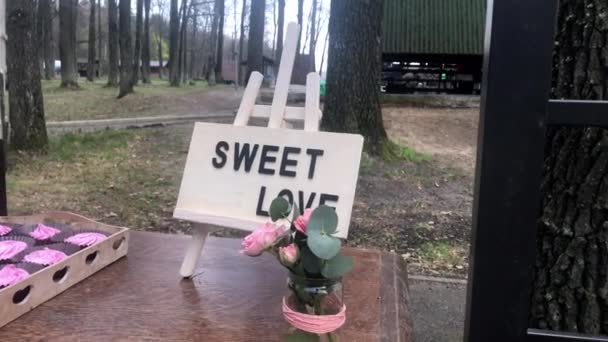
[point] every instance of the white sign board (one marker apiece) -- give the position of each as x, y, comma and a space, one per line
234, 172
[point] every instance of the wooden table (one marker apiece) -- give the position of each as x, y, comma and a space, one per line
233, 298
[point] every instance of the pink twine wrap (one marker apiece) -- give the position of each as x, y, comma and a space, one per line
316, 324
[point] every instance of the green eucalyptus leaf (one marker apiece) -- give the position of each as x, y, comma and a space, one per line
279, 209
337, 266
312, 264
324, 246
323, 220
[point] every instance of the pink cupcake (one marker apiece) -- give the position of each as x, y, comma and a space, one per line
49, 254
12, 246
11, 274
86, 238
9, 229
45, 233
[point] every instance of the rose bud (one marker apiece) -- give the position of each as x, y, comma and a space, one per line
302, 221
289, 255
261, 239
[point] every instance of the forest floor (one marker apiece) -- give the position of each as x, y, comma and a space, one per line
95, 101
418, 206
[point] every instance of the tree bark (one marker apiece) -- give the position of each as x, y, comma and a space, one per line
242, 42
26, 105
173, 45
570, 289
160, 5
138, 34
220, 41
112, 44
211, 58
300, 22
352, 103
145, 53
255, 47
67, 43
100, 59
191, 73
126, 49
91, 67
46, 15
39, 29
281, 27
183, 44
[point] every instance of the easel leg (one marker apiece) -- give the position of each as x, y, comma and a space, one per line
199, 236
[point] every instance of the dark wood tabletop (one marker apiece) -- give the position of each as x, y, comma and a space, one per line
232, 298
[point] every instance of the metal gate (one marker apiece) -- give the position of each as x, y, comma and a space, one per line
515, 111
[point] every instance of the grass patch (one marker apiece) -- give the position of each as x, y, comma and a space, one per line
118, 177
96, 101
442, 254
72, 146
395, 152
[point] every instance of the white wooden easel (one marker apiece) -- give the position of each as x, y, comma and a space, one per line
277, 115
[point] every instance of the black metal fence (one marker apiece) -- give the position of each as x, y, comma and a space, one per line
515, 112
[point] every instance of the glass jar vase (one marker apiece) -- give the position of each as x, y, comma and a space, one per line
314, 305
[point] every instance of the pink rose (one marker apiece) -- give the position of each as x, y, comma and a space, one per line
302, 221
289, 255
261, 239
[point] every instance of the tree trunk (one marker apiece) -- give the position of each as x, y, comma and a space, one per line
67, 43
126, 49
100, 59
570, 290
46, 14
220, 41
138, 33
352, 103
255, 47
112, 44
191, 64
26, 105
91, 61
274, 21
174, 45
313, 33
145, 53
300, 22
160, 57
211, 58
39, 29
323, 55
242, 42
183, 43
281, 27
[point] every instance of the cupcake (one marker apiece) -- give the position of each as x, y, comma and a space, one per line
11, 274
4, 230
12, 246
9, 229
86, 238
49, 254
44, 233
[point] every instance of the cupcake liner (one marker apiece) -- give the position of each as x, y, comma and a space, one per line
16, 257
27, 230
27, 267
65, 248
84, 231
14, 229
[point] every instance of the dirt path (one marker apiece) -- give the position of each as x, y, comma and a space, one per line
448, 134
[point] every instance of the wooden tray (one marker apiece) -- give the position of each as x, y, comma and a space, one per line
45, 284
